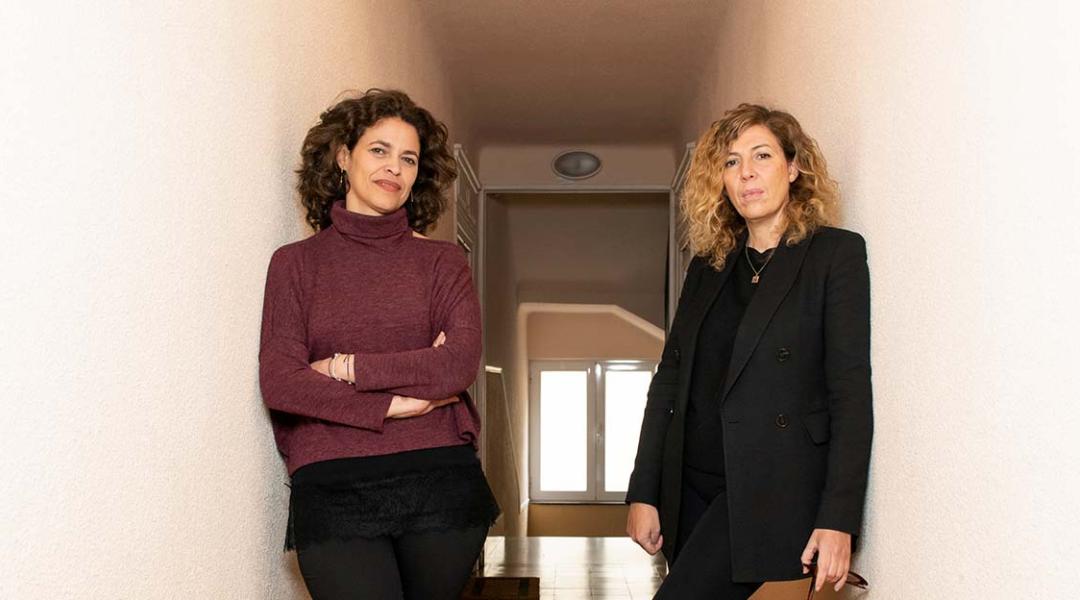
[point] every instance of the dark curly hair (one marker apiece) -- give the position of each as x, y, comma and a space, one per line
320, 183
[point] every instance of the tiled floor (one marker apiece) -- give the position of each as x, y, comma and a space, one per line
576, 568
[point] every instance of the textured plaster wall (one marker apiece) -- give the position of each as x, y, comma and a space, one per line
952, 128
146, 166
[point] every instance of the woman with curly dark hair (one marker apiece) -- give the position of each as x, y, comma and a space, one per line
370, 336
755, 445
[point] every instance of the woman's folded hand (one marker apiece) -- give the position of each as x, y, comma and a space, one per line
403, 407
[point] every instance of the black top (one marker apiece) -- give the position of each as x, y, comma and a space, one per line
704, 449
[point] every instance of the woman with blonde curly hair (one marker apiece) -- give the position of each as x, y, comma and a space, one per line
755, 445
370, 336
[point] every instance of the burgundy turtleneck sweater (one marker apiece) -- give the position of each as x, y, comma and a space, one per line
367, 286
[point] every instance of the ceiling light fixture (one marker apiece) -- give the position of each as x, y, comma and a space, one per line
576, 164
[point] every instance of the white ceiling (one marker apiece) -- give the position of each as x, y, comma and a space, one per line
585, 71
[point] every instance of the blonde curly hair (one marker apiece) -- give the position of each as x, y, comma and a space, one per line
714, 225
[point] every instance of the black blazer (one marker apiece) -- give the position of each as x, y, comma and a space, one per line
796, 405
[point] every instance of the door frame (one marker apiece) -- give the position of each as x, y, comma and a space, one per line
470, 233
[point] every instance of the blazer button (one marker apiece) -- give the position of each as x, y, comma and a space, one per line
783, 354
678, 356
781, 421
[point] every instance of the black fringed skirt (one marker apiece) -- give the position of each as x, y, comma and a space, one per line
421, 490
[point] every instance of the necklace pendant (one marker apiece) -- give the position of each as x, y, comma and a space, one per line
755, 278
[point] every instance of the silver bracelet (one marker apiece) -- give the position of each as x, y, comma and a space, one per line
332, 375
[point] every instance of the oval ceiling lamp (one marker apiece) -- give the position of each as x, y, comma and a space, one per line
576, 164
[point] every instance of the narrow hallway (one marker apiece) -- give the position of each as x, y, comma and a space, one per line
149, 157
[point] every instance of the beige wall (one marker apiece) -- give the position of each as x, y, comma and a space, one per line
501, 348
952, 128
147, 154
591, 335
590, 249
622, 165
503, 452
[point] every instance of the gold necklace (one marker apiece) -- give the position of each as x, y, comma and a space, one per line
757, 272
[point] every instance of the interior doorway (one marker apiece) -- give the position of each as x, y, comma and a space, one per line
570, 275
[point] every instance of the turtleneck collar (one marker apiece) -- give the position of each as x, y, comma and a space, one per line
386, 229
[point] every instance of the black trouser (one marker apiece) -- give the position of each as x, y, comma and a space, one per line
416, 566
701, 565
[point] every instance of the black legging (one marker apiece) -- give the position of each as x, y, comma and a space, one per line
701, 567
416, 566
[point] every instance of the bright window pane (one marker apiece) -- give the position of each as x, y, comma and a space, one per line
624, 405
564, 405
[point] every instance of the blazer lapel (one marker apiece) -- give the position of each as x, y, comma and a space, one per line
712, 281
776, 281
